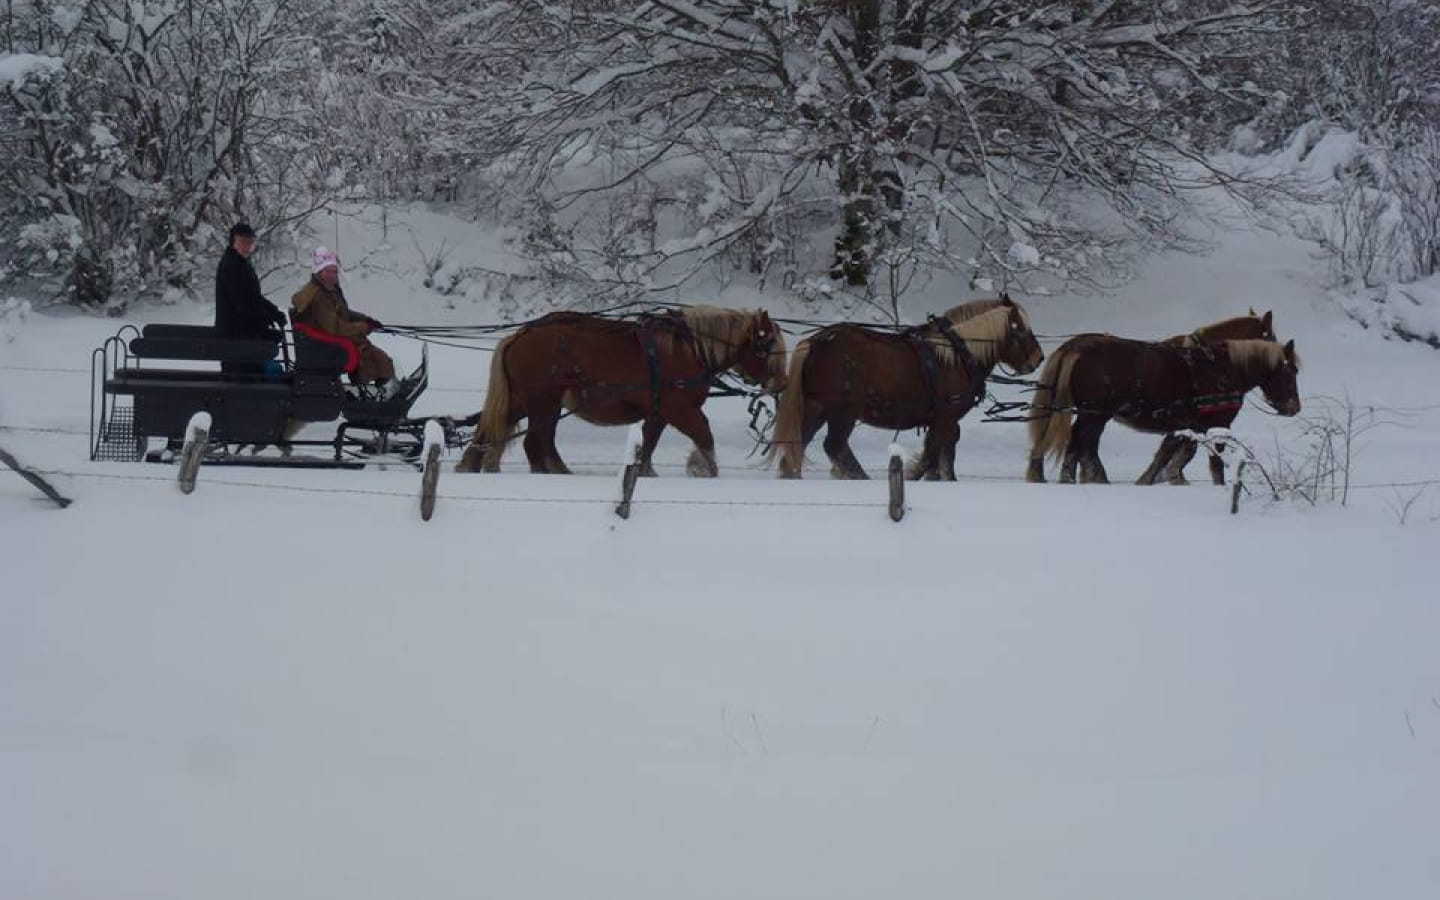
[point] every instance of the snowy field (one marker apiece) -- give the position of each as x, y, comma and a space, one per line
287, 686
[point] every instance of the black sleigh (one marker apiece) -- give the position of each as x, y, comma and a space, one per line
145, 385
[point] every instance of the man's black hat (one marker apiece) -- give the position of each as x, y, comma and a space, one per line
241, 229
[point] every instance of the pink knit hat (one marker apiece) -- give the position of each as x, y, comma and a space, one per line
324, 259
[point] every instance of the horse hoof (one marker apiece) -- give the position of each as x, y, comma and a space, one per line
700, 467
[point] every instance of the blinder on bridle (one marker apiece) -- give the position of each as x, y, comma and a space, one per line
760, 346
1016, 324
763, 341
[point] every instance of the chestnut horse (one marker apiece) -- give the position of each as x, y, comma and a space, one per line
1153, 387
926, 376
1176, 451
655, 369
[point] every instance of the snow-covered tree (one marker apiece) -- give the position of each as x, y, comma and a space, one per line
158, 123
1042, 132
1372, 68
639, 143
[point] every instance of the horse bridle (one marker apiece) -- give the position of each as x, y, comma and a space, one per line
762, 344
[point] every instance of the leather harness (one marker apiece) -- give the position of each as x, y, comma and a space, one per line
919, 339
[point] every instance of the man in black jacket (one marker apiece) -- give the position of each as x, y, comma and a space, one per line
241, 311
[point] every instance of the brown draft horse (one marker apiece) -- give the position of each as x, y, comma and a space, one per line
656, 369
1176, 451
1152, 387
927, 376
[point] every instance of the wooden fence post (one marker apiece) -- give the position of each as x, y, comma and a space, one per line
35, 479
631, 473
197, 439
897, 483
430, 475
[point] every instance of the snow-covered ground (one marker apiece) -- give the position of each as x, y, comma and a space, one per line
285, 685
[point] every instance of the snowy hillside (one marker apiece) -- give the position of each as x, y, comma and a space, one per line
287, 686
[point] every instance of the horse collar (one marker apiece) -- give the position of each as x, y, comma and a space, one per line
928, 365
967, 359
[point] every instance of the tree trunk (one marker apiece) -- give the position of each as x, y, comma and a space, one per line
90, 281
854, 248
857, 207
870, 186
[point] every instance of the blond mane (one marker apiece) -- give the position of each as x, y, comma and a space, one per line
965, 311
983, 335
720, 334
1248, 355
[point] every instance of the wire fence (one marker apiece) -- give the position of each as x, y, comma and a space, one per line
503, 498
472, 498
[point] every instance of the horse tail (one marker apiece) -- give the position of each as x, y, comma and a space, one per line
1050, 414
495, 430
787, 444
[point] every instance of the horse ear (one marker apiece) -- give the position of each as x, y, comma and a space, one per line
1005, 299
1290, 347
1268, 320
1253, 313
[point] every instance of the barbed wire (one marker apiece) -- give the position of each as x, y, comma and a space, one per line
474, 498
490, 498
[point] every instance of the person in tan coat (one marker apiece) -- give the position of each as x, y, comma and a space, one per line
321, 304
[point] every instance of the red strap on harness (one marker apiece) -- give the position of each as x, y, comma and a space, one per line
352, 353
1222, 406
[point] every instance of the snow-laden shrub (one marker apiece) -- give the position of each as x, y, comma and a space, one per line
13, 313
1381, 219
155, 127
